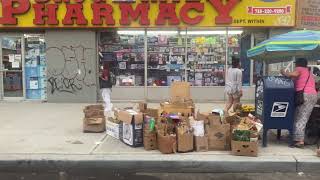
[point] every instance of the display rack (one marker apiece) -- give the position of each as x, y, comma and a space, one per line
166, 59
206, 60
125, 55
35, 68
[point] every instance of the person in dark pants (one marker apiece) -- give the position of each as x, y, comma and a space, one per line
106, 87
303, 80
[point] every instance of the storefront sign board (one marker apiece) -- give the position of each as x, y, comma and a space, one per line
146, 13
308, 14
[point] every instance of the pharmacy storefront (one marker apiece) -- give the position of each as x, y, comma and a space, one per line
53, 49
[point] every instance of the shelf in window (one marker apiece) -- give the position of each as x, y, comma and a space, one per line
122, 44
206, 62
167, 45
9, 49
174, 54
200, 70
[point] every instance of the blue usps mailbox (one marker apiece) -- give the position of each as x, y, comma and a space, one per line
275, 104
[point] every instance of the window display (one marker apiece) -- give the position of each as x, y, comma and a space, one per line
124, 51
233, 46
35, 67
12, 67
196, 56
166, 57
206, 58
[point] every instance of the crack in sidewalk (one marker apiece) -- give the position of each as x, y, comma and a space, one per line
98, 144
294, 157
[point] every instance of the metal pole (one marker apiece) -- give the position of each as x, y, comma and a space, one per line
186, 57
227, 58
145, 65
227, 52
251, 61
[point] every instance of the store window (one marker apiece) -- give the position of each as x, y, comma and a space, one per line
206, 57
123, 51
258, 65
166, 57
35, 67
11, 64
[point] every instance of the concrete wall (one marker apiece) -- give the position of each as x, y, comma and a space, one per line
71, 57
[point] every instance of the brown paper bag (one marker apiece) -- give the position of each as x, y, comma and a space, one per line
185, 142
218, 137
167, 144
150, 140
201, 143
214, 120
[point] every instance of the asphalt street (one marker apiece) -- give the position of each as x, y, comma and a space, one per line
162, 176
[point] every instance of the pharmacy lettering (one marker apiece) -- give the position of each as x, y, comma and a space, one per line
131, 13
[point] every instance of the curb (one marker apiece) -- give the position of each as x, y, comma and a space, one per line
148, 163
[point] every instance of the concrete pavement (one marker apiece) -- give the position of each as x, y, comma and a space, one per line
35, 136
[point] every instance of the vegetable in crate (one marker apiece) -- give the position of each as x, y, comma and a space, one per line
241, 135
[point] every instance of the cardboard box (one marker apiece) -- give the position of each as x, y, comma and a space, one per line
180, 90
150, 140
155, 113
181, 101
131, 131
175, 109
243, 148
93, 113
112, 129
201, 143
94, 125
185, 142
217, 137
167, 144
95, 106
143, 106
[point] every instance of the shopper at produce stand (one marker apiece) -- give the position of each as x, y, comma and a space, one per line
105, 87
304, 81
233, 87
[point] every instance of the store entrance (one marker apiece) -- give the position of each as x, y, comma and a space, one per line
11, 68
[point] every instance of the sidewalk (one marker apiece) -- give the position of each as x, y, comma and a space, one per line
43, 135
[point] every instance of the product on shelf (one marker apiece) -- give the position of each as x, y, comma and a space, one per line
166, 59
126, 56
35, 67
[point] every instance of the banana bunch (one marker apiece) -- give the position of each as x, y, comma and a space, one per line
248, 108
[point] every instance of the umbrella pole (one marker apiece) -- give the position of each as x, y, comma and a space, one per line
265, 68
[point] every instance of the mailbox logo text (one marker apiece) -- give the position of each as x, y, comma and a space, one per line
279, 109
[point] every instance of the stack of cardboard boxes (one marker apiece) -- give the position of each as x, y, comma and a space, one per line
174, 127
180, 100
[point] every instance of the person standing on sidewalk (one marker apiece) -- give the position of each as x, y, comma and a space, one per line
105, 87
233, 87
303, 81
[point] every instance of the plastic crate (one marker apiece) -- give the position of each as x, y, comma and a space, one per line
31, 72
33, 93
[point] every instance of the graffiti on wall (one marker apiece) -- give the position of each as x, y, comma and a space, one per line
72, 71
